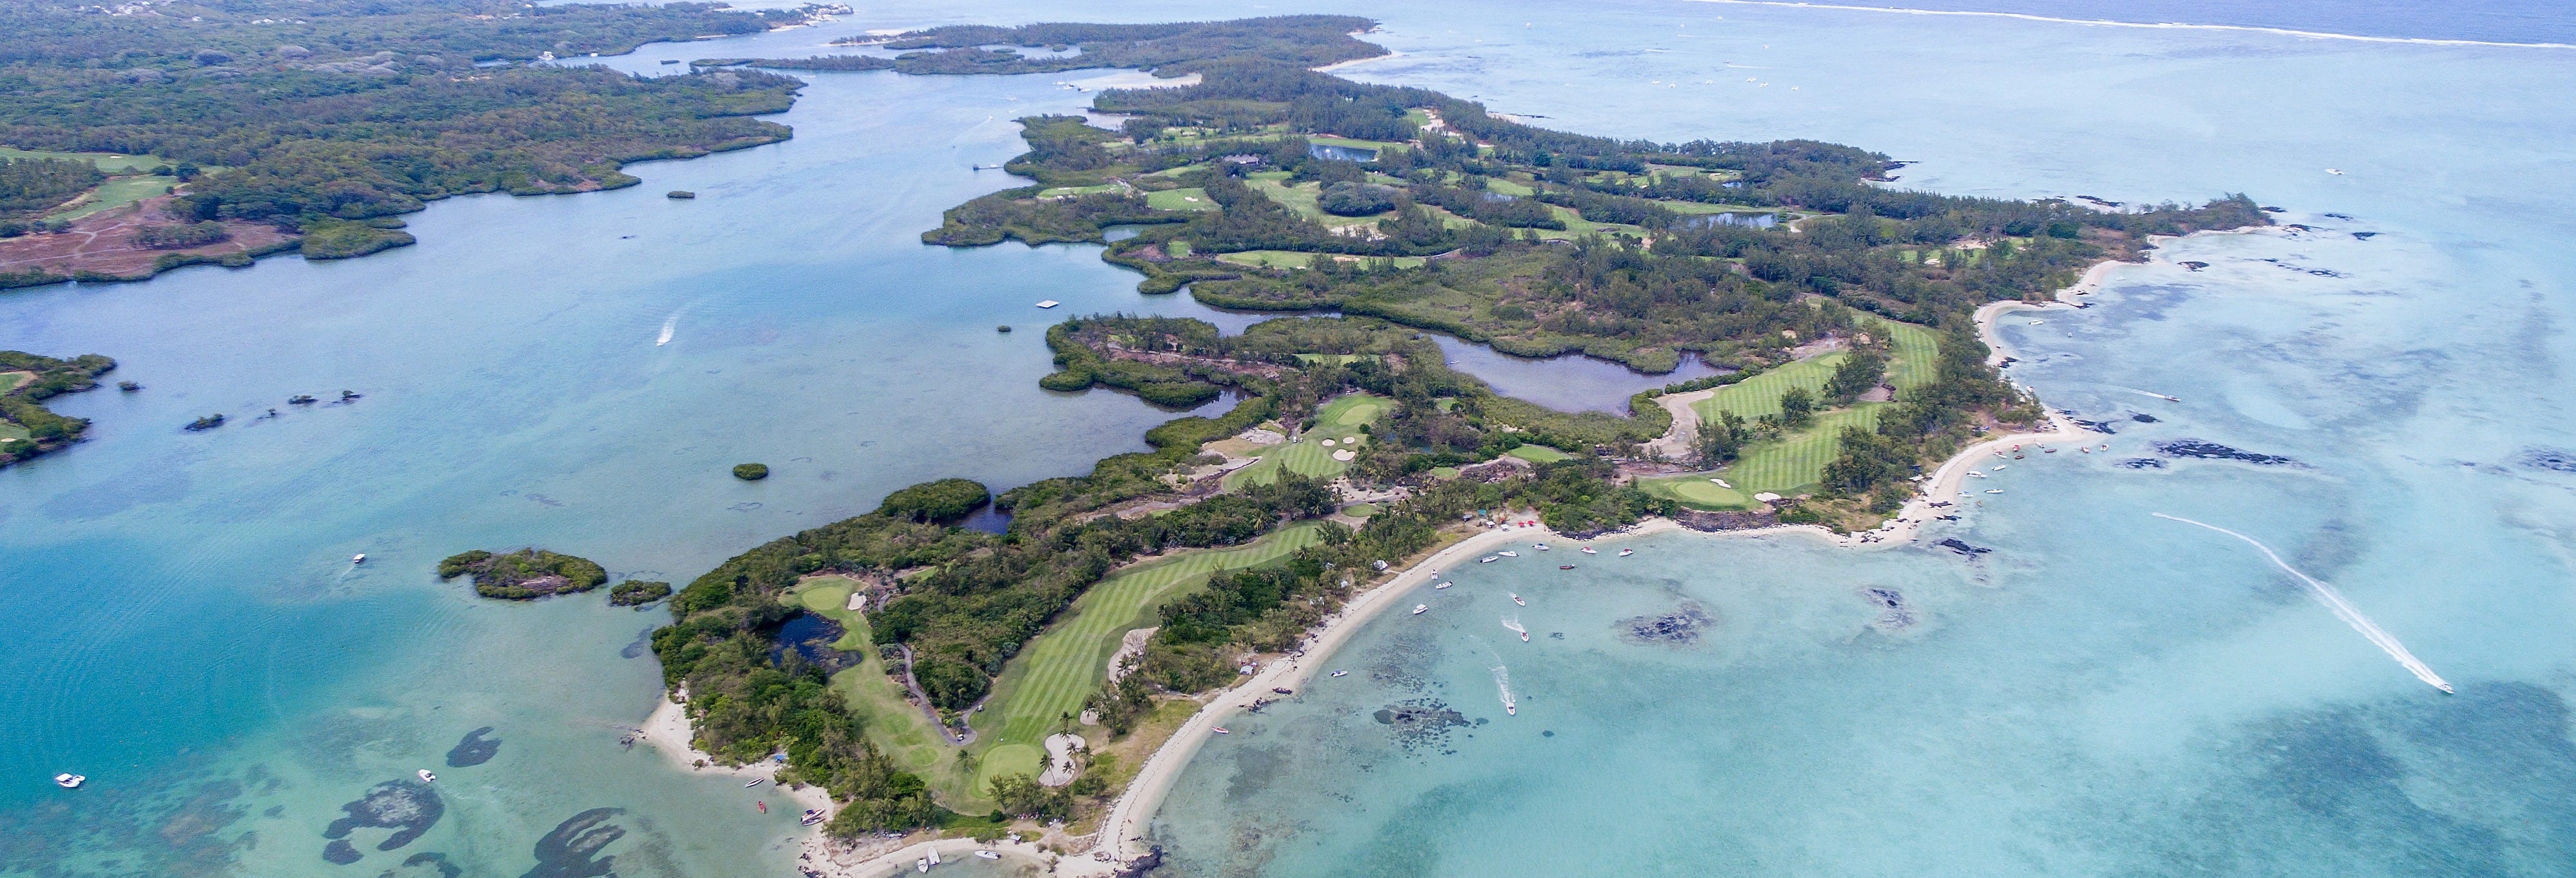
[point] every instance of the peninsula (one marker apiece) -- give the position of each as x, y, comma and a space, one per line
27, 427
1841, 311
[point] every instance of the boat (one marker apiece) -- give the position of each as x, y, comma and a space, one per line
2335, 171
754, 782
1283, 690
1994, 490
934, 856
1511, 710
1539, 546
359, 558
1516, 599
1627, 552
921, 865
1565, 567
813, 816
1508, 554
1221, 730
1975, 474
1418, 608
2000, 466
2048, 451
1524, 637
426, 776
1339, 673
1486, 560
989, 855
70, 781
1442, 586
1050, 303
300, 399
1588, 550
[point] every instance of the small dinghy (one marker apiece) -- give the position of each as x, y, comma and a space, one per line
1418, 608
1442, 586
1508, 554
922, 865
1516, 599
1487, 559
1539, 546
70, 781
360, 558
1994, 490
1221, 730
934, 856
1565, 567
1588, 550
754, 782
989, 855
1627, 552
426, 776
1339, 673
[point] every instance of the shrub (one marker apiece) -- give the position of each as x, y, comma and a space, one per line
637, 592
181, 237
942, 500
1347, 198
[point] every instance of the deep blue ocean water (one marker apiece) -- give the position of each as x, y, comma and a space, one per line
2102, 693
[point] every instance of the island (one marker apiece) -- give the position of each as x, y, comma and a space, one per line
984, 683
524, 575
216, 133
27, 427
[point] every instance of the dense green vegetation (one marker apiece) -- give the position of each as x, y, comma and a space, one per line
1166, 49
526, 574
751, 472
1533, 241
29, 186
344, 110
27, 428
637, 592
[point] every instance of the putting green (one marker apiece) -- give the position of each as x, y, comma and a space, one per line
1701, 490
1337, 420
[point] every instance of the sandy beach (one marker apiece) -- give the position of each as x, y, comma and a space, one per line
1337, 65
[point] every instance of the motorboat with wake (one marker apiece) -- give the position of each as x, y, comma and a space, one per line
1627, 552
360, 558
70, 781
1516, 599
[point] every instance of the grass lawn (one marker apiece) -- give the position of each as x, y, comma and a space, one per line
1193, 198
11, 431
117, 192
1914, 352
1338, 420
1063, 666
10, 380
1794, 463
1697, 492
107, 162
1290, 259
1760, 395
1539, 454
894, 725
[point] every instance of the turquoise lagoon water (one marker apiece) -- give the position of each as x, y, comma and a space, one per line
2101, 693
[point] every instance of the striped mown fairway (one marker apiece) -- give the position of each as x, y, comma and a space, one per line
1914, 353
1794, 463
1063, 666
1760, 395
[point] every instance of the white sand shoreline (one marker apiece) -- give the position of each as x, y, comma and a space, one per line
1121, 830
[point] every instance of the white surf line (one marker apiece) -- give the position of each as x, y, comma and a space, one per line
2343, 609
2170, 25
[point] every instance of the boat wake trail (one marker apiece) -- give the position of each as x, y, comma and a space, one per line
2334, 600
1503, 682
668, 326
2146, 393
1514, 623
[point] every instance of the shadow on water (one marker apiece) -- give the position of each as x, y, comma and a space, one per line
1568, 383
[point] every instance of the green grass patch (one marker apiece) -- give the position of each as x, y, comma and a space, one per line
1760, 395
1193, 198
1914, 353
115, 193
1697, 492
1063, 666
107, 162
1795, 462
1539, 454
893, 724
10, 380
1338, 420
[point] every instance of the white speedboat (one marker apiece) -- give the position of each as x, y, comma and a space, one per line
921, 865
426, 776
1516, 599
70, 781
1994, 490
1442, 586
989, 855
812, 816
1487, 559
1418, 608
1975, 474
1339, 673
1539, 546
754, 782
1999, 467
1221, 730
1588, 550
1524, 637
360, 558
934, 856
1627, 552
1508, 554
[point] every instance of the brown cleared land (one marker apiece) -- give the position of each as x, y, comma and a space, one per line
102, 244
